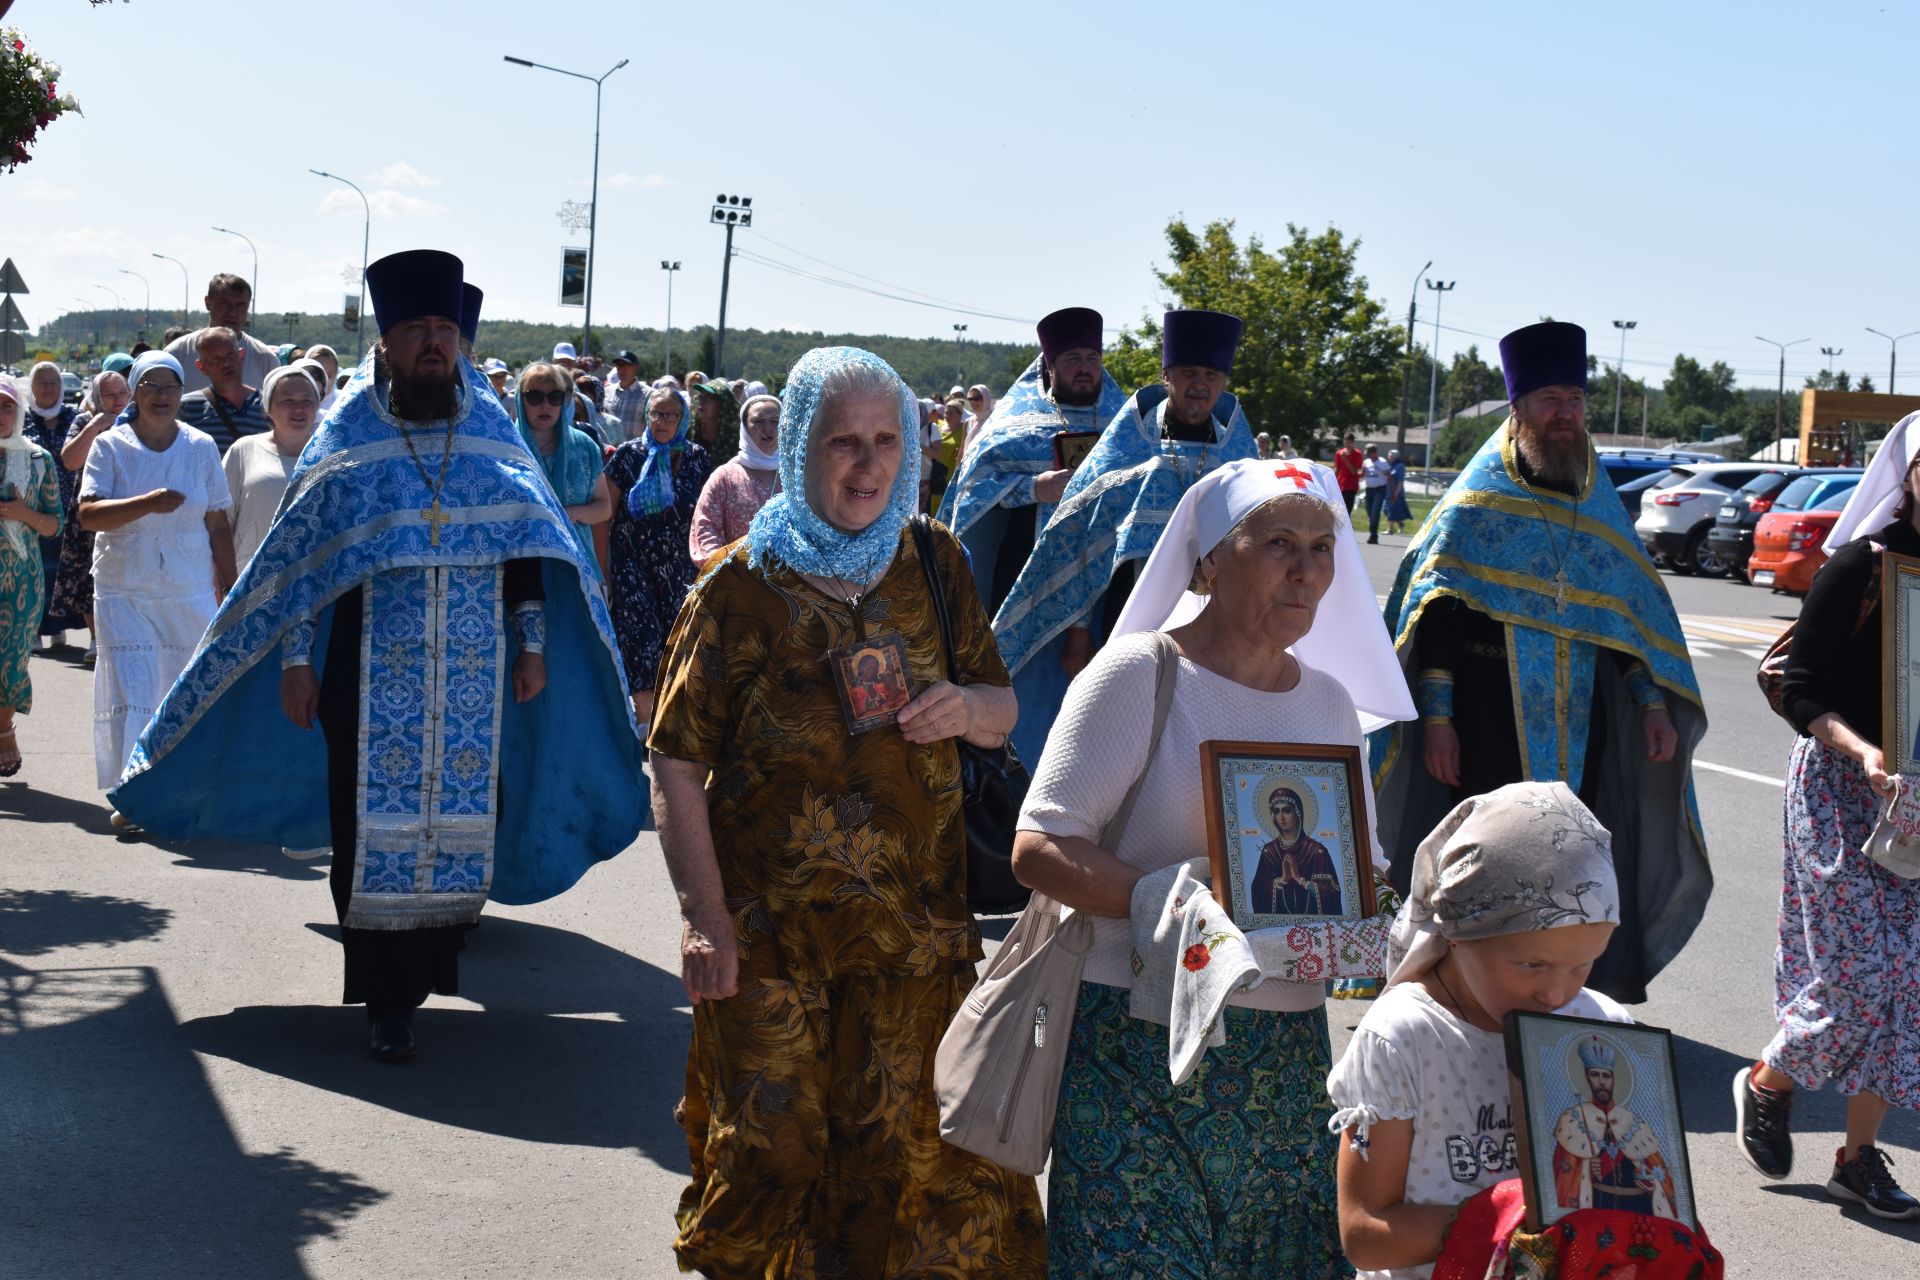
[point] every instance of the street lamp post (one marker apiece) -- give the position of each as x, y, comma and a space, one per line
184, 285
729, 212
1893, 352
959, 364
1619, 372
253, 285
1832, 353
593, 200
1780, 396
669, 268
1440, 291
145, 306
1406, 367
366, 238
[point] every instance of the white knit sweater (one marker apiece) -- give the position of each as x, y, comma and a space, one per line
1099, 744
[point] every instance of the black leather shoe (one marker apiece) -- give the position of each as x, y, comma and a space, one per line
1868, 1182
1761, 1122
392, 1039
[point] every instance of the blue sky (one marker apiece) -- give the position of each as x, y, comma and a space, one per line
1713, 171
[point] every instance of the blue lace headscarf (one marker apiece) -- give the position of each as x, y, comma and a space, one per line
652, 490
788, 529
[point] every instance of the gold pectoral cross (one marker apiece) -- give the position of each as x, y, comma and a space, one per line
435, 518
1559, 585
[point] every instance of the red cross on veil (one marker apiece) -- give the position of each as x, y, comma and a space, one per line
1302, 479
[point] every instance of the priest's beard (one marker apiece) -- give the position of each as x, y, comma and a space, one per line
1558, 465
417, 399
1070, 398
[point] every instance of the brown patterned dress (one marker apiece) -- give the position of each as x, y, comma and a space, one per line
810, 1117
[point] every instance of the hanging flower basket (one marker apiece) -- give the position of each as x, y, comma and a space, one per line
30, 98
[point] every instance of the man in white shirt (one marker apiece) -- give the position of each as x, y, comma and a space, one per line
228, 301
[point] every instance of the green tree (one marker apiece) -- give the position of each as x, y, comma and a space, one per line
1318, 355
1468, 381
1696, 396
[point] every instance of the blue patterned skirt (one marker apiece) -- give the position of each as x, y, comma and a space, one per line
1228, 1175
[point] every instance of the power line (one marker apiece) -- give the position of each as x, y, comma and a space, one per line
804, 273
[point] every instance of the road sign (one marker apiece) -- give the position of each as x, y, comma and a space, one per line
10, 281
10, 317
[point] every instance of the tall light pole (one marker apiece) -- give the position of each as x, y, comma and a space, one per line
1440, 291
253, 285
959, 363
1406, 367
112, 294
669, 268
1832, 353
593, 200
184, 285
729, 212
366, 238
1780, 396
1893, 354
145, 306
1619, 371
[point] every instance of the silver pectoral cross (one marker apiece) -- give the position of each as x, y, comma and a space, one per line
1559, 587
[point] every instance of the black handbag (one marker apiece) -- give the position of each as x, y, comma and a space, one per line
993, 782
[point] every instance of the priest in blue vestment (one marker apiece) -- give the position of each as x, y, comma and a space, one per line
1542, 646
422, 599
1073, 586
1010, 480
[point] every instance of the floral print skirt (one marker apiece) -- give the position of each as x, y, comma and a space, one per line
1228, 1175
1848, 962
814, 1136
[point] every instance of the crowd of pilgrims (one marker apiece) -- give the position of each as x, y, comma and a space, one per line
737, 535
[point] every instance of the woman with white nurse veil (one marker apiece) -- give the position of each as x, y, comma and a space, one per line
1259, 583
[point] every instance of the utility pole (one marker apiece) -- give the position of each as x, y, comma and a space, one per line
1780, 396
959, 365
1440, 291
1893, 354
1406, 367
145, 306
729, 212
1619, 372
1831, 353
253, 285
366, 240
183, 283
669, 268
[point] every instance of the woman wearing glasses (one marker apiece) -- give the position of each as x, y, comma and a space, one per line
656, 480
574, 464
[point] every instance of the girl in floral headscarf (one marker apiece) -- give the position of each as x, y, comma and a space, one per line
822, 872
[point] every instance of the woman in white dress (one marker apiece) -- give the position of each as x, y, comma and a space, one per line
258, 466
154, 493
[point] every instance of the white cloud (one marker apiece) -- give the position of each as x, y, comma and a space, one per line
402, 174
40, 192
652, 181
385, 203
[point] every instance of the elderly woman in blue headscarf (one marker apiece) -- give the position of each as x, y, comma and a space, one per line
656, 480
807, 787
573, 463
155, 495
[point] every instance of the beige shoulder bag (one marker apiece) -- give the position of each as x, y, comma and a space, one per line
997, 1071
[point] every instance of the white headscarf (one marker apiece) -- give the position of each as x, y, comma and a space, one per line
751, 455
59, 396
1870, 508
17, 451
1348, 640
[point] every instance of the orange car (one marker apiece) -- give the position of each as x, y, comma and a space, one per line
1787, 545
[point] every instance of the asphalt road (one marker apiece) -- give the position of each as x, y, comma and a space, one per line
180, 1095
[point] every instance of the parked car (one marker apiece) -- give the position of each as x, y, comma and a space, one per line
1625, 465
1673, 526
1632, 491
72, 388
1789, 546
1731, 536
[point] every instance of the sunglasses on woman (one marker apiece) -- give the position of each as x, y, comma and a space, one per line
555, 398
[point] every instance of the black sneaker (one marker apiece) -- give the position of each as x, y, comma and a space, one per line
1867, 1181
1761, 1119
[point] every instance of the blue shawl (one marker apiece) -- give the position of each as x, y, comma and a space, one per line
576, 463
220, 759
1112, 512
652, 490
787, 528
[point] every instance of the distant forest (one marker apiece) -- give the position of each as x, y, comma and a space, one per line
930, 365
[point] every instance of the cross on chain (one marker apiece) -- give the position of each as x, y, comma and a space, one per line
435, 518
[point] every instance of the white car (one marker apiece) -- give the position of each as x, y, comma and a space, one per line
1677, 511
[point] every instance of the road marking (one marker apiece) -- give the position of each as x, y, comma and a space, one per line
1732, 772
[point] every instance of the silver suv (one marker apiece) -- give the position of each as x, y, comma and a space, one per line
1677, 511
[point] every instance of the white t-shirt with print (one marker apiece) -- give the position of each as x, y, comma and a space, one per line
1411, 1058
